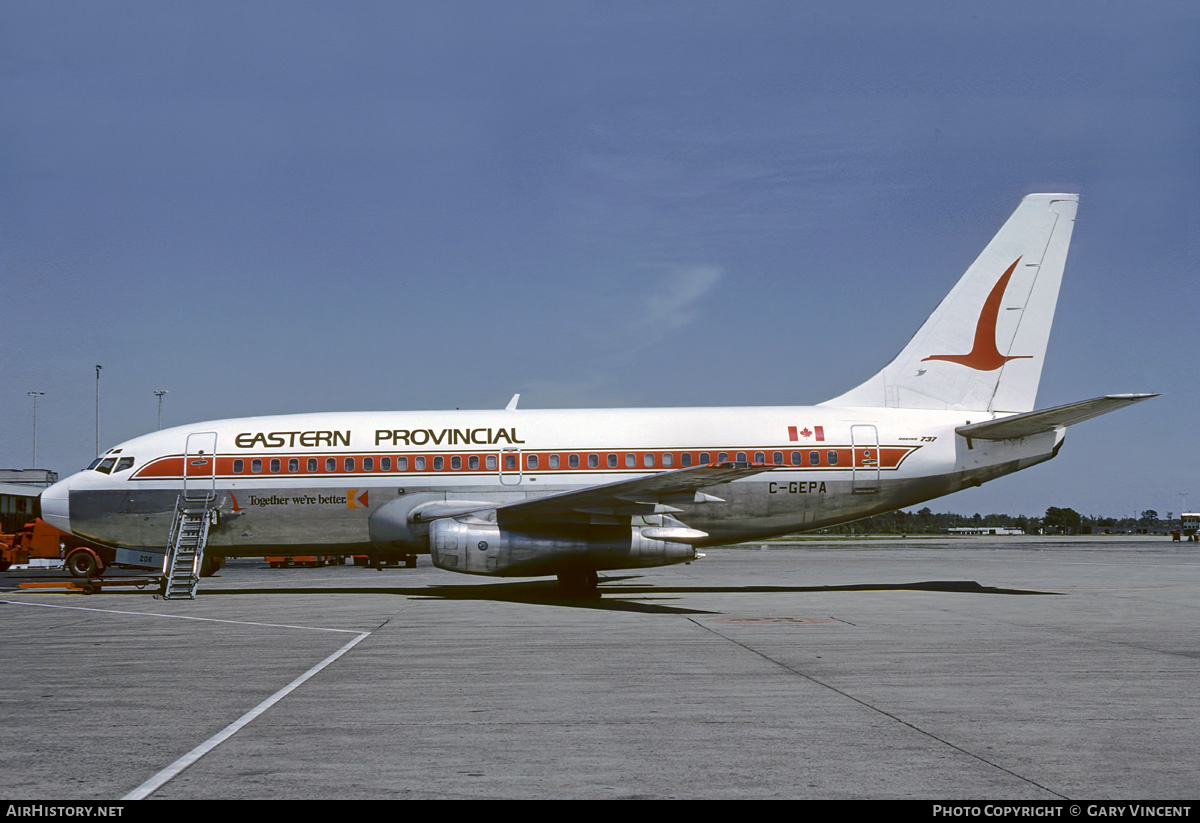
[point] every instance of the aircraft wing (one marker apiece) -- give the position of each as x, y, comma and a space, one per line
613, 501
1044, 420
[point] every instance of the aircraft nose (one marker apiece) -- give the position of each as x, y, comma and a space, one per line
56, 505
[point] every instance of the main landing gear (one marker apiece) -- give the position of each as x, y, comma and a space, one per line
578, 581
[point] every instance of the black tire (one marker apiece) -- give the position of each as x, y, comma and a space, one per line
578, 581
84, 563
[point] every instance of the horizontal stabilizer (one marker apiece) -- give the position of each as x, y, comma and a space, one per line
1044, 420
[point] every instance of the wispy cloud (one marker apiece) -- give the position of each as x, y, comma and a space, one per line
671, 299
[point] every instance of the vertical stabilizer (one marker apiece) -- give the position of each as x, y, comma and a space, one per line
984, 346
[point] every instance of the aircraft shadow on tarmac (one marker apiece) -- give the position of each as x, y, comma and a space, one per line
627, 597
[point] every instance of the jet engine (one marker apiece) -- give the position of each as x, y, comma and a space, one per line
478, 545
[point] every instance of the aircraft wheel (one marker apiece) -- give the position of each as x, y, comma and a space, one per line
84, 563
89, 588
578, 581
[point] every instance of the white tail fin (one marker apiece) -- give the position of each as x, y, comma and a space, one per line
983, 347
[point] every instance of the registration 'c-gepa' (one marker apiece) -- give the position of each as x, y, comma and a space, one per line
521, 492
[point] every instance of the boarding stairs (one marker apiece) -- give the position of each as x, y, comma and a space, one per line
185, 549
193, 514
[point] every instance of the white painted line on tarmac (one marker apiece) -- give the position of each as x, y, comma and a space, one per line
155, 782
181, 617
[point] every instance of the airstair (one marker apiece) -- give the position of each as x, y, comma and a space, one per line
193, 510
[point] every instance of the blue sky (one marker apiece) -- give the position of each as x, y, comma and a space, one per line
271, 207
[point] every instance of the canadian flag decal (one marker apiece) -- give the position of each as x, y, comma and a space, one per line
795, 434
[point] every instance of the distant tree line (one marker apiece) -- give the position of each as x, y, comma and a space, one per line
1059, 520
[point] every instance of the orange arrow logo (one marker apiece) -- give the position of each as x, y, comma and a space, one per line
357, 499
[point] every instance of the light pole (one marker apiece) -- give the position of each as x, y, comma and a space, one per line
160, 393
35, 395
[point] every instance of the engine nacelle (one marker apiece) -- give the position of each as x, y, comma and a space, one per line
476, 546
403, 523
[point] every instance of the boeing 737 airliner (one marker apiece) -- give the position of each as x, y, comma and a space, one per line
518, 492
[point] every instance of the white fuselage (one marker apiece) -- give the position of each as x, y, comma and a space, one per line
315, 481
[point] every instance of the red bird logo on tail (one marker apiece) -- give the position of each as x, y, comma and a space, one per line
984, 356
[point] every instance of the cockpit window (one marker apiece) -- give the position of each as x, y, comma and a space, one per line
93, 464
123, 464
106, 465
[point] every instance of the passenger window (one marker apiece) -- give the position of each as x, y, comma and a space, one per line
473, 462
510, 461
685, 459
630, 460
797, 458
593, 461
554, 461
456, 462
532, 461
294, 464
401, 464
668, 460
385, 464
777, 458
256, 465
123, 464
741, 457
330, 464
722, 457
419, 464
833, 458
705, 458
275, 464
759, 457
814, 458
368, 464
573, 461
490, 462
238, 466
348, 464
648, 461
439, 463
612, 461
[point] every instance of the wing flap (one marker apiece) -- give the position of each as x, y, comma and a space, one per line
1044, 420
